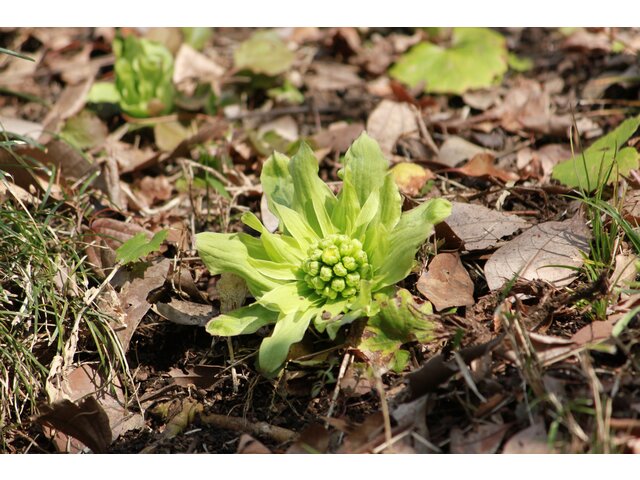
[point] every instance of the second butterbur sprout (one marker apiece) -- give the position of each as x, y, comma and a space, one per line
335, 266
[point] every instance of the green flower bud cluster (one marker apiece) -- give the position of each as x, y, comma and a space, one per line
335, 266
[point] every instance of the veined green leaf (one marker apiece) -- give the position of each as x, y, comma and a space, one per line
390, 203
287, 298
275, 270
412, 230
294, 224
277, 183
222, 252
242, 321
365, 167
290, 329
367, 213
278, 248
311, 196
346, 209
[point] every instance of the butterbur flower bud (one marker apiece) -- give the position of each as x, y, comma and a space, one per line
331, 255
353, 279
361, 257
349, 263
338, 284
326, 273
339, 269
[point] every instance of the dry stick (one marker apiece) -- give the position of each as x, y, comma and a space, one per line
346, 360
385, 407
279, 434
426, 136
234, 372
596, 388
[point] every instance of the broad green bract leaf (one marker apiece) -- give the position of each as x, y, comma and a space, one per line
589, 170
139, 247
477, 58
263, 53
331, 255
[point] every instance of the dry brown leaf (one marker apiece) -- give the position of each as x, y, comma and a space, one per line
192, 67
86, 421
530, 440
200, 376
585, 40
483, 165
456, 149
285, 126
185, 313
333, 76
339, 136
595, 332
389, 121
313, 439
485, 438
411, 177
21, 127
446, 283
540, 163
625, 271
249, 445
549, 251
133, 297
154, 189
480, 227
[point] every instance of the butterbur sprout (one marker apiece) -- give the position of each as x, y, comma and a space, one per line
331, 255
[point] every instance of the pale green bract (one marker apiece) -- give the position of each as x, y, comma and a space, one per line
331, 255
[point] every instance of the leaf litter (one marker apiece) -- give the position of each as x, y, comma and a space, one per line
496, 151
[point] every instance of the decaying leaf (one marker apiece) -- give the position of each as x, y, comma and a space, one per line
483, 165
185, 313
532, 439
446, 283
480, 227
456, 149
263, 53
389, 121
484, 438
411, 177
333, 76
339, 136
549, 251
249, 445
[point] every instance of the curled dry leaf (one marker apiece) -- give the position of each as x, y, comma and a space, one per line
480, 227
389, 121
484, 438
549, 251
411, 177
339, 136
333, 76
185, 313
530, 440
249, 445
192, 67
446, 283
483, 165
456, 149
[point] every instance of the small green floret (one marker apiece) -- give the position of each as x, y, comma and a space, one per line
334, 265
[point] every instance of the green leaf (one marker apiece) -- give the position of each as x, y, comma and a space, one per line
278, 248
589, 169
311, 196
295, 225
289, 329
277, 183
263, 53
103, 92
144, 71
139, 247
413, 229
519, 64
477, 58
287, 298
84, 130
196, 36
242, 321
365, 167
275, 270
401, 319
222, 252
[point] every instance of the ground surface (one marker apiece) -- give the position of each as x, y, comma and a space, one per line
531, 366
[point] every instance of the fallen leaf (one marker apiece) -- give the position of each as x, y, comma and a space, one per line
339, 136
249, 445
133, 297
483, 165
605, 156
389, 121
625, 271
21, 127
582, 39
549, 251
263, 53
154, 189
185, 313
484, 438
313, 439
476, 58
286, 127
332, 76
86, 421
595, 332
200, 376
456, 149
480, 227
411, 177
540, 163
357, 380
84, 130
192, 67
446, 283
481, 99
169, 135
530, 440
